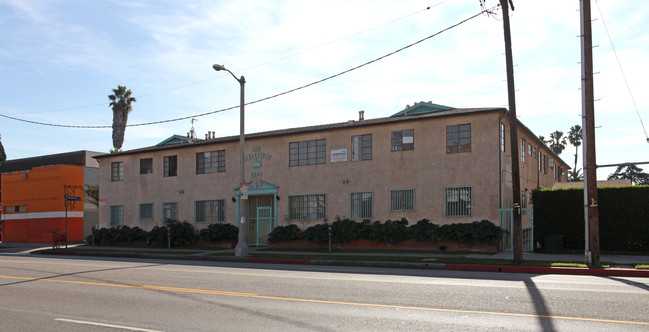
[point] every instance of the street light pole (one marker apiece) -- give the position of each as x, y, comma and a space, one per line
242, 245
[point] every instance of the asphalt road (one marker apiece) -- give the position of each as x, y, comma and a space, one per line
73, 294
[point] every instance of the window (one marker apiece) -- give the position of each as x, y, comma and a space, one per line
117, 171
15, 208
209, 211
146, 211
403, 140
502, 137
524, 199
402, 200
117, 215
307, 152
522, 149
210, 162
529, 149
545, 164
458, 138
362, 147
169, 211
307, 207
361, 205
170, 166
458, 201
539, 157
146, 166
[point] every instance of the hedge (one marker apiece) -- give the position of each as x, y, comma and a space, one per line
623, 217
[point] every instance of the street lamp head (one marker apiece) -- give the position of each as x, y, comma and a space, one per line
218, 67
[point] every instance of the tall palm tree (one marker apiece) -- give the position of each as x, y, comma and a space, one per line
574, 137
3, 155
557, 142
120, 101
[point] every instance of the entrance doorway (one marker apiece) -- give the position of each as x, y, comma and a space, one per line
260, 219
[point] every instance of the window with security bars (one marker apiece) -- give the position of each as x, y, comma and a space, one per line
307, 207
117, 215
210, 162
522, 150
362, 147
210, 211
458, 138
458, 201
403, 140
304, 153
117, 171
169, 211
146, 211
170, 166
362, 205
402, 200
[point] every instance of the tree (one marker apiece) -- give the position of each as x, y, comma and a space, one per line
574, 137
557, 142
92, 193
545, 141
575, 175
120, 101
632, 172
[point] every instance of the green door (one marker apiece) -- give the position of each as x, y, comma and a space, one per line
260, 220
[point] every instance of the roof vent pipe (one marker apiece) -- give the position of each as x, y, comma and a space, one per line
361, 115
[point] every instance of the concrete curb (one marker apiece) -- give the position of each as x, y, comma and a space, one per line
613, 272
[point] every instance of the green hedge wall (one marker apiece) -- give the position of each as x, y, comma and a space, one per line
623, 217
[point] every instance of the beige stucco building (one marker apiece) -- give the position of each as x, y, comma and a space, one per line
428, 161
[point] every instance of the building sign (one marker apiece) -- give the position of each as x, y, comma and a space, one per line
338, 155
256, 159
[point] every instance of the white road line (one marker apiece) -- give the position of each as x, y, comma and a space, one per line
105, 325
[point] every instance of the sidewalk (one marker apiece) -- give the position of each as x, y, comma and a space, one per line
621, 264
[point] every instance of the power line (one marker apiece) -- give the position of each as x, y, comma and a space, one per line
262, 99
622, 71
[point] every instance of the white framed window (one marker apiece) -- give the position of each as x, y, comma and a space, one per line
502, 137
523, 150
362, 204
116, 215
402, 200
458, 201
307, 207
209, 210
146, 211
117, 171
362, 147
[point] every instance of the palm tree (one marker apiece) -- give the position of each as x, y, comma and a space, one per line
632, 172
557, 142
574, 136
120, 101
3, 155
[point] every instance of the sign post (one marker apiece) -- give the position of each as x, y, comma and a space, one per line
68, 199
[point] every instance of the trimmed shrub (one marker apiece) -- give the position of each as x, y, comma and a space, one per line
284, 233
219, 233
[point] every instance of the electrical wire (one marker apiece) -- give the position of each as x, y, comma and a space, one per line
262, 99
622, 71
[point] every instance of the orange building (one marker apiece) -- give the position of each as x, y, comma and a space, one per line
33, 200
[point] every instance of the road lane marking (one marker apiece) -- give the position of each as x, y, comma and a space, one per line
105, 325
358, 304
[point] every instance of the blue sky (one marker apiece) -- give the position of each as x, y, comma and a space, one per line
60, 60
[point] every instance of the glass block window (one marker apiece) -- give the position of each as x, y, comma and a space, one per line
458, 138
402, 200
362, 205
146, 211
307, 207
117, 171
170, 166
362, 147
169, 211
116, 215
502, 137
210, 162
522, 150
146, 166
308, 152
403, 140
210, 211
458, 201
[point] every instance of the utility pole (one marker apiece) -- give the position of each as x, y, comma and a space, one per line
516, 181
591, 212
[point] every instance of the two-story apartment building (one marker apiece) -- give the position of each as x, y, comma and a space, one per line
428, 161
